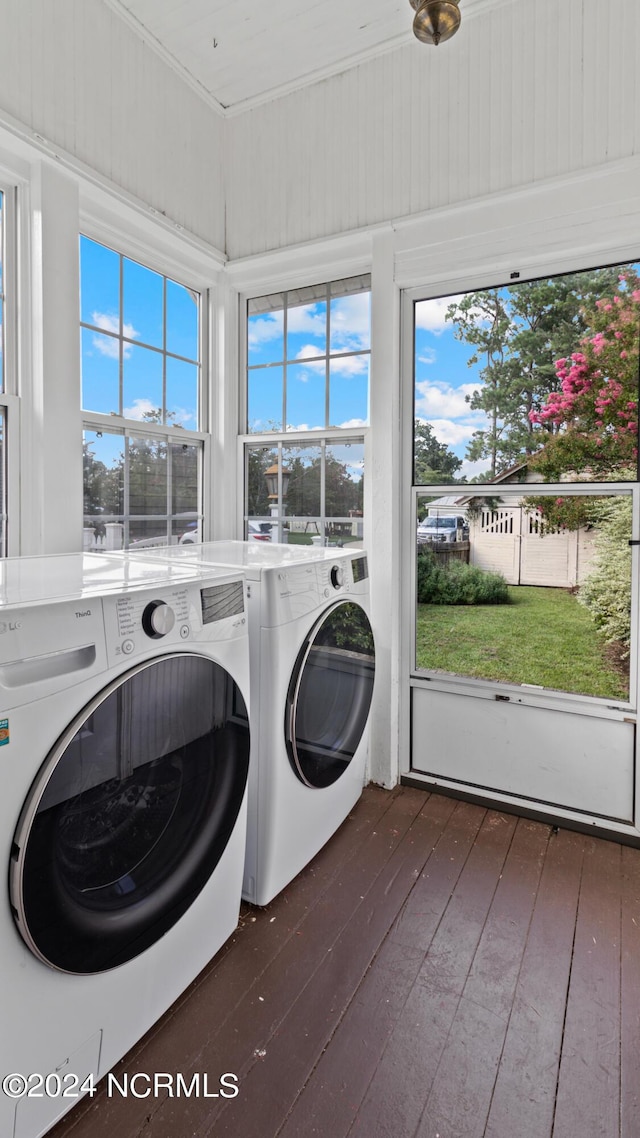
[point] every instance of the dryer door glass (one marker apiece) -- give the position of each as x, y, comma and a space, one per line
330, 695
130, 814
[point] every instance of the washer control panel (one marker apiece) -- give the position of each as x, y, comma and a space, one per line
173, 615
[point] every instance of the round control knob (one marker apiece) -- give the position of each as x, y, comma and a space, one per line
158, 619
337, 576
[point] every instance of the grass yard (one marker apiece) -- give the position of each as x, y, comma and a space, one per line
543, 637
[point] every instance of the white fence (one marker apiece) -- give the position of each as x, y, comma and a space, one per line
518, 544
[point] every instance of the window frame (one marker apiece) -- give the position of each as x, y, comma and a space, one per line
320, 436
178, 271
10, 402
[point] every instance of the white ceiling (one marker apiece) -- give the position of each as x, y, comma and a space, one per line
240, 52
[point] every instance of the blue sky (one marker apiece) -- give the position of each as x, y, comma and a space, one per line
443, 379
306, 374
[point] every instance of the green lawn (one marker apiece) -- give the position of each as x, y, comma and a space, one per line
543, 637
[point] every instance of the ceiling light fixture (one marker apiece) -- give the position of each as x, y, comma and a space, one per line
435, 20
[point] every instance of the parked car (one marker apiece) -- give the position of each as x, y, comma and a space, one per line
259, 531
191, 535
437, 530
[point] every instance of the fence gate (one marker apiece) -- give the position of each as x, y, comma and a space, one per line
518, 544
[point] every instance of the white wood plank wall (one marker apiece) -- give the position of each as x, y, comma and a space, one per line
528, 91
76, 74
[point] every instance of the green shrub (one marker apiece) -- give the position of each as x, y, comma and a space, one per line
606, 592
458, 583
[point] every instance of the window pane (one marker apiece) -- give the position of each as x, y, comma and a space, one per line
100, 372
526, 590
103, 484
185, 478
3, 488
351, 323
182, 321
182, 393
532, 380
349, 391
265, 324
142, 303
147, 470
258, 461
302, 495
148, 531
142, 388
99, 285
186, 530
306, 330
344, 480
2, 376
264, 400
306, 387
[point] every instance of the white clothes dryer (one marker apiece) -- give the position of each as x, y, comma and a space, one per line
124, 741
312, 676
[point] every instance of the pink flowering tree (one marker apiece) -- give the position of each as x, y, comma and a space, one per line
594, 410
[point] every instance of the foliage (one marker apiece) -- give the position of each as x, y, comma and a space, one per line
595, 411
144, 491
343, 494
433, 461
518, 333
347, 627
458, 583
607, 589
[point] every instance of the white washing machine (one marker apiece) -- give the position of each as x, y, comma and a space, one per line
312, 676
124, 744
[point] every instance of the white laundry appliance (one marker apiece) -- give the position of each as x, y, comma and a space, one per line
312, 676
124, 745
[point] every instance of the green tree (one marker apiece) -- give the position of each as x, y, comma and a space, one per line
433, 462
517, 334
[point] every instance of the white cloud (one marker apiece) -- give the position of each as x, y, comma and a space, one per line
307, 318
353, 423
339, 365
441, 400
105, 344
430, 314
429, 357
267, 327
470, 469
351, 322
452, 434
140, 408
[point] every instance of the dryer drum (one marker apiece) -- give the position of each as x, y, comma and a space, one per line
130, 814
330, 695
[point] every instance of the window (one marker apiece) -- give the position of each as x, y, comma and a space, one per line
142, 402
530, 390
307, 395
533, 381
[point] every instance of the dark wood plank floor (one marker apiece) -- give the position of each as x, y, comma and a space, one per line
439, 971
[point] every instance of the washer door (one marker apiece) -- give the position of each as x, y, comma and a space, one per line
130, 814
330, 695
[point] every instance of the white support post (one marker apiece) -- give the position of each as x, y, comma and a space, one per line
52, 466
382, 508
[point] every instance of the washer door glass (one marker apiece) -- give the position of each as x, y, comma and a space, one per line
130, 814
330, 695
